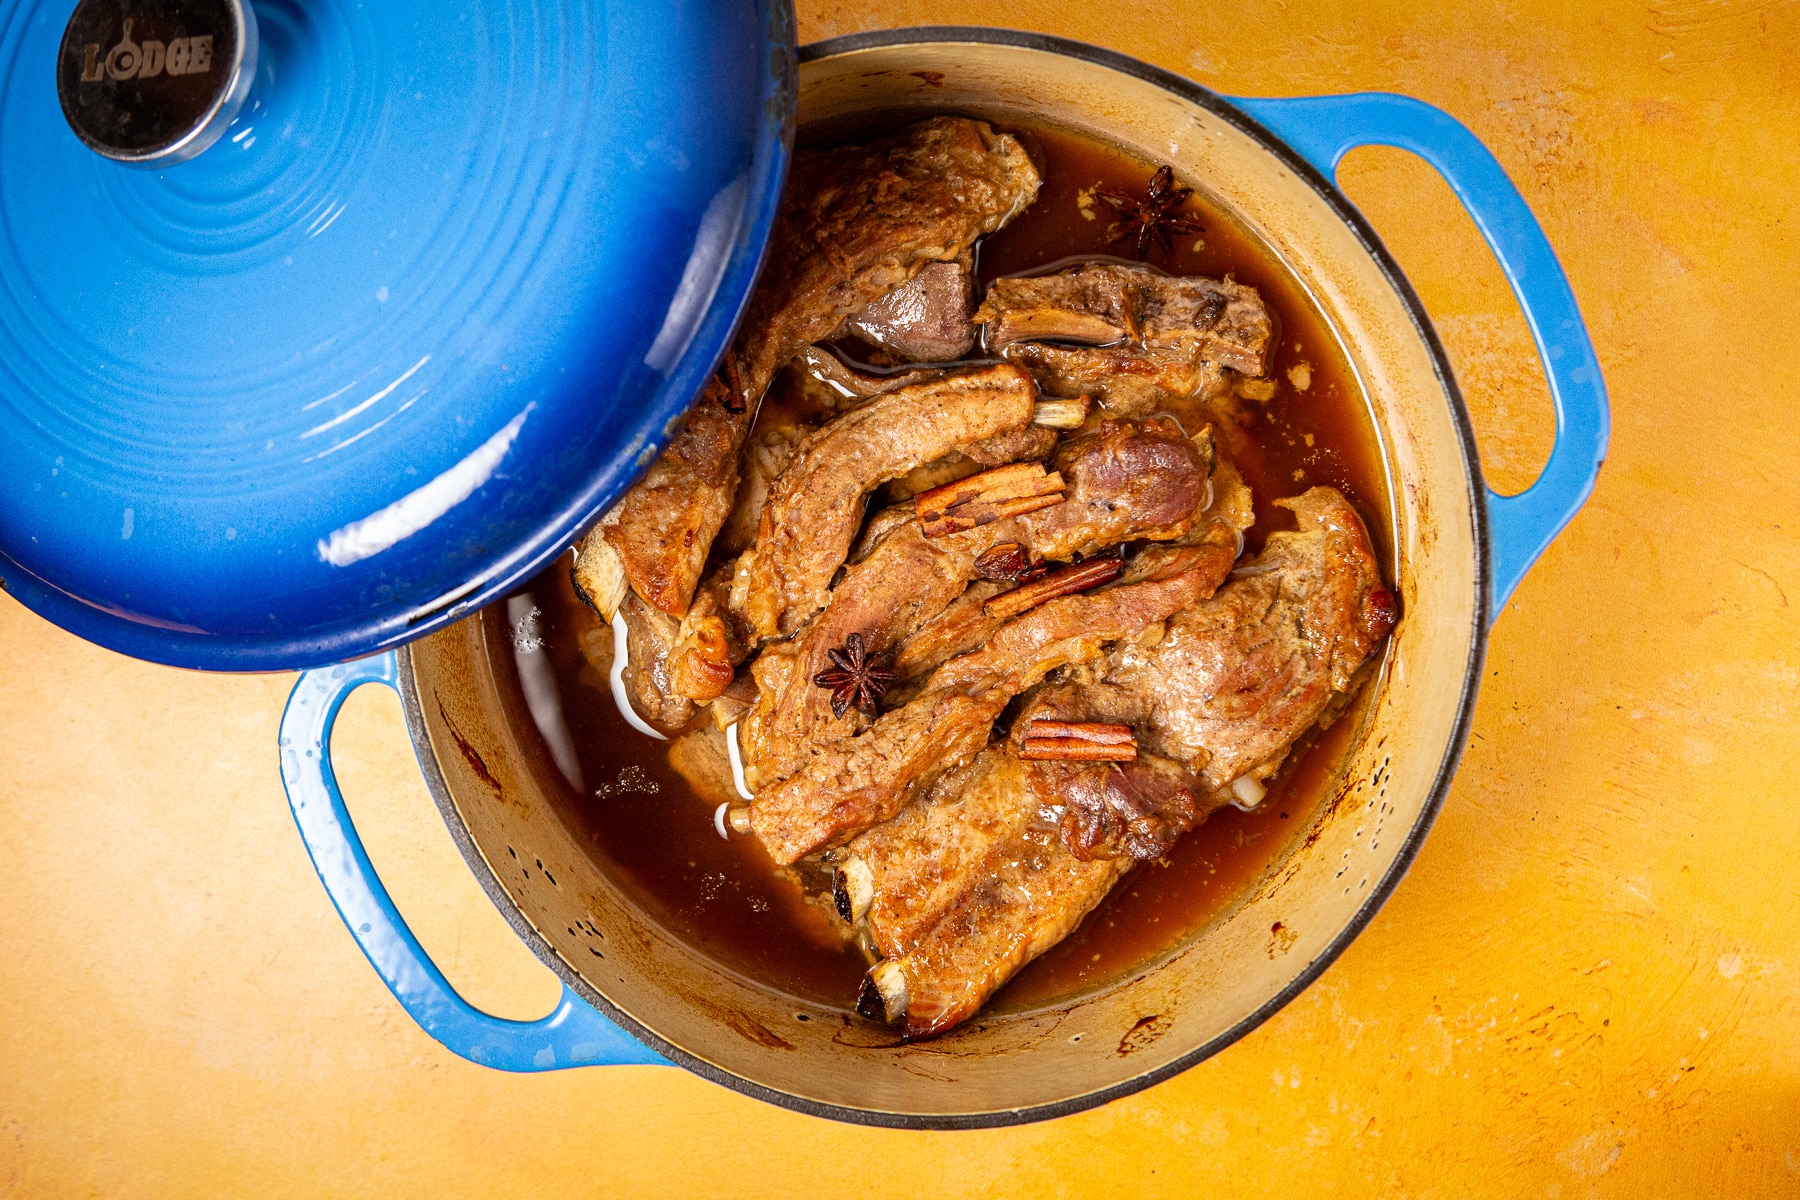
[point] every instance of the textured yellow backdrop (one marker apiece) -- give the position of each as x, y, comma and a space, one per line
1586, 985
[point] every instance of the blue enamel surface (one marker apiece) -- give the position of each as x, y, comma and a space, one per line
1321, 129
573, 1035
418, 318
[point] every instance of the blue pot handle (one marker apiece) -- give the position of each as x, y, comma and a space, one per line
573, 1035
1321, 129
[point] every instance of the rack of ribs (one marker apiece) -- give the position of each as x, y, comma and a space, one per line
1003, 858
1139, 338
850, 786
855, 223
1126, 481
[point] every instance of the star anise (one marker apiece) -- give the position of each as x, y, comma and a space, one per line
853, 679
1152, 218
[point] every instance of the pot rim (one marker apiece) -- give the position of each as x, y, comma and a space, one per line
1327, 189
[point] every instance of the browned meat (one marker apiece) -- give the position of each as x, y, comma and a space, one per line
1135, 809
1152, 338
662, 529
884, 522
966, 623
850, 786
1126, 481
855, 223
925, 319
770, 450
1228, 686
1236, 679
963, 625
1139, 809
1018, 445
1102, 303
816, 505
860, 221
650, 638
1121, 810
1129, 379
710, 641
971, 882
904, 874
1026, 895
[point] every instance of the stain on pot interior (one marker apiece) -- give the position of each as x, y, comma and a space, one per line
1143, 1034
471, 756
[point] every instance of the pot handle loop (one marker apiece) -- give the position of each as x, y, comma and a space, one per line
1322, 129
573, 1035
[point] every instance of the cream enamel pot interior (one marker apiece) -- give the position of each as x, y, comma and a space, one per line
1459, 551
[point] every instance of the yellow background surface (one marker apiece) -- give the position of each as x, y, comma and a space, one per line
1585, 986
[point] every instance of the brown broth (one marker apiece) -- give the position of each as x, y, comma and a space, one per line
651, 832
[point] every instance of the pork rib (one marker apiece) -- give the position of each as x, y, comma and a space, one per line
968, 890
1147, 338
1235, 680
1126, 481
855, 223
966, 622
852, 785
816, 505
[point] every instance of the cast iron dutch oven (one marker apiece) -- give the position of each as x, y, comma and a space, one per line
323, 324
634, 993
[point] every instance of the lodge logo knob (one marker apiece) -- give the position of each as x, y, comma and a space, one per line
128, 60
155, 82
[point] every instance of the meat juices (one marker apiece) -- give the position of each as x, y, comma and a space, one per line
960, 850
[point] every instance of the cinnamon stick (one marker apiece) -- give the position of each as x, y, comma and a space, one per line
1008, 491
1064, 582
1074, 750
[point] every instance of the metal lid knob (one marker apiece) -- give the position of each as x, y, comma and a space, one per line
154, 82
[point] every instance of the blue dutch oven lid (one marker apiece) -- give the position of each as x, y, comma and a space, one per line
324, 323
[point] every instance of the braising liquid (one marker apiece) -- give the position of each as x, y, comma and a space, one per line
649, 830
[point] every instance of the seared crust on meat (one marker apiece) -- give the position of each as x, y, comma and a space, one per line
1127, 481
855, 223
816, 505
1237, 678
1149, 339
927, 856
1027, 895
855, 784
665, 525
